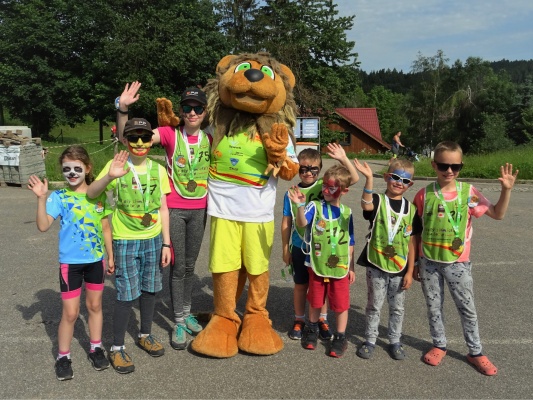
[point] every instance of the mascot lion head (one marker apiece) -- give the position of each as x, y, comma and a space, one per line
250, 92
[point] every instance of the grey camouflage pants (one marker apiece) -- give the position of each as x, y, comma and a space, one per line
458, 278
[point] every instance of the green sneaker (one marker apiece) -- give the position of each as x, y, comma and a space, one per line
121, 361
179, 337
192, 325
151, 345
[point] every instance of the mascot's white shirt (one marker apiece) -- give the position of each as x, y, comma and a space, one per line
244, 203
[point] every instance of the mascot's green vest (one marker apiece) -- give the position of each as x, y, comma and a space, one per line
190, 184
379, 238
439, 240
313, 192
323, 262
240, 160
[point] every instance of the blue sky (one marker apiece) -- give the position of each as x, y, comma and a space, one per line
389, 34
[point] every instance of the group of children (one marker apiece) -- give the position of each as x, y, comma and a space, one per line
427, 240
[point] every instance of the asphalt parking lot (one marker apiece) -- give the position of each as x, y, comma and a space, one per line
502, 255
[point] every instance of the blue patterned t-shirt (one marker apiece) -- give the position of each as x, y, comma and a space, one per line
80, 234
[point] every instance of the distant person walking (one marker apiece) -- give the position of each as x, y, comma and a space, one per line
396, 144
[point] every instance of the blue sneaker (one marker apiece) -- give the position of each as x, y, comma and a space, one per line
323, 329
179, 337
193, 327
296, 331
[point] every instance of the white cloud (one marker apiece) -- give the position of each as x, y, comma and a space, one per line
389, 34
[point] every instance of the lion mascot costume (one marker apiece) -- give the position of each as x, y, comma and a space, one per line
252, 110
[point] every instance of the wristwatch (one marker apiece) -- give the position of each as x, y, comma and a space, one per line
117, 106
166, 245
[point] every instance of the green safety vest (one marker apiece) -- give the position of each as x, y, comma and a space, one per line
180, 167
313, 192
130, 202
240, 160
379, 238
320, 242
438, 234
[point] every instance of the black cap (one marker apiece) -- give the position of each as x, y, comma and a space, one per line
136, 124
194, 94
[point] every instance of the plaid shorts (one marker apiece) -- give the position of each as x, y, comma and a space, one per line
137, 267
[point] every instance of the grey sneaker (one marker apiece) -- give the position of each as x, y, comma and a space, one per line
192, 325
179, 337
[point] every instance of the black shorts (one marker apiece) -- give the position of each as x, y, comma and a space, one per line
300, 270
71, 277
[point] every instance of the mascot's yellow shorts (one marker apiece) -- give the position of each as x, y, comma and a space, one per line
235, 243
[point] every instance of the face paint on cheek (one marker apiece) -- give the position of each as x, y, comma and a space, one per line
139, 148
74, 172
331, 188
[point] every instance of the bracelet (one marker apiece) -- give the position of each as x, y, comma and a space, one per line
300, 205
366, 202
166, 245
369, 191
122, 112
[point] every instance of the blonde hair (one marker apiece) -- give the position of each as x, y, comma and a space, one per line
339, 173
447, 146
311, 155
400, 163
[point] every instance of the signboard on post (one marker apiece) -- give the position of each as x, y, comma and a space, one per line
307, 128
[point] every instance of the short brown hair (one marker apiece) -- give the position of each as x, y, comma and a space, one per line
78, 153
310, 154
340, 173
447, 146
401, 163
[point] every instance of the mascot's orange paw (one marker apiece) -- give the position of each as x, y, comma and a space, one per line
258, 337
165, 113
218, 339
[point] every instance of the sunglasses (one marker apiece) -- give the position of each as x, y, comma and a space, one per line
444, 167
398, 178
146, 138
197, 109
309, 168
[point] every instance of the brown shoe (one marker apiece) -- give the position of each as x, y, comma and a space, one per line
151, 345
121, 361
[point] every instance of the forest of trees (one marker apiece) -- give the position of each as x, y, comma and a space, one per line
63, 61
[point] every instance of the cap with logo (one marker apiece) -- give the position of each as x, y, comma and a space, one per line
137, 124
194, 94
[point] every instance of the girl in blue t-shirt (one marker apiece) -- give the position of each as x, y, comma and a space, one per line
83, 235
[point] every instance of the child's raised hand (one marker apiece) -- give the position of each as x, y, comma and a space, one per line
363, 168
116, 169
295, 195
335, 151
130, 94
507, 178
36, 186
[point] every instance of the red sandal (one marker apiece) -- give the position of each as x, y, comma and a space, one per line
482, 364
434, 356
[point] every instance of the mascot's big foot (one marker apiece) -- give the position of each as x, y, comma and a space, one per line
218, 339
258, 337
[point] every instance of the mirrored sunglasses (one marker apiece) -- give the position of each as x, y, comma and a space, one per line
309, 168
197, 109
145, 138
398, 178
442, 167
